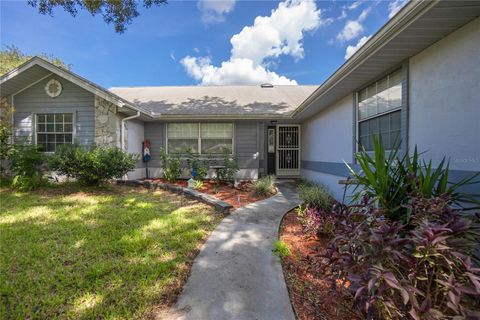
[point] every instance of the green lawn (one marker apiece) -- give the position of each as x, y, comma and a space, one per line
113, 252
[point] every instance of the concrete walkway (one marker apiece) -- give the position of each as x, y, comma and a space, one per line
236, 275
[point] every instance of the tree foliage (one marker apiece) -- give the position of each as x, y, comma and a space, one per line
11, 57
6, 111
119, 12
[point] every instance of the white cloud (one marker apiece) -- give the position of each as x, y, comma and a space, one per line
172, 56
352, 49
395, 6
353, 28
214, 11
255, 46
343, 15
354, 5
234, 71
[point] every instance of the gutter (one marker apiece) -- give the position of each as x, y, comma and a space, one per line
124, 120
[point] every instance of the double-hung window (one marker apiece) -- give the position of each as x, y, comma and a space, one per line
379, 112
53, 130
200, 138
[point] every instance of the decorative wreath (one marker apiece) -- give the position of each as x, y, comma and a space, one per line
53, 88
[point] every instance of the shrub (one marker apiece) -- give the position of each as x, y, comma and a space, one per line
26, 165
264, 186
227, 174
389, 179
424, 271
93, 165
281, 249
315, 196
315, 222
171, 166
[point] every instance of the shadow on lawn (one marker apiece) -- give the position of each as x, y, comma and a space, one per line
87, 255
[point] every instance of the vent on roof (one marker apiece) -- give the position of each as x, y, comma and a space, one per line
266, 85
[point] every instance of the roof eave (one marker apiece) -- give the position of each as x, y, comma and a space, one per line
220, 117
408, 14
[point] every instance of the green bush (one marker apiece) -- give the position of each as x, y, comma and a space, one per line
171, 166
230, 167
389, 179
93, 165
281, 249
264, 186
26, 165
315, 196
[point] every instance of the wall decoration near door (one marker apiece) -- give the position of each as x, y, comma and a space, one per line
288, 150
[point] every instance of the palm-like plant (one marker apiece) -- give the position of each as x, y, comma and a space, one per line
389, 178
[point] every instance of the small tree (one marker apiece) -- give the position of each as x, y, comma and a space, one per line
171, 166
230, 167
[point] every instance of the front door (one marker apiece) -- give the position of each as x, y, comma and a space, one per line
288, 150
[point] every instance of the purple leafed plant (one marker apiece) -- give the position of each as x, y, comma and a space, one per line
424, 270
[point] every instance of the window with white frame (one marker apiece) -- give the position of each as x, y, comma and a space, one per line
379, 110
53, 129
201, 138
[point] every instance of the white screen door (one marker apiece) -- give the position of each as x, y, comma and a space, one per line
288, 150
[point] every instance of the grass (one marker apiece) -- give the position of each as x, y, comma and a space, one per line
110, 253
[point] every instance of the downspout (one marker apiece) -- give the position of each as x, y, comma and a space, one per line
122, 129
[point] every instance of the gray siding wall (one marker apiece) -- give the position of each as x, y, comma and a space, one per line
247, 149
246, 142
73, 99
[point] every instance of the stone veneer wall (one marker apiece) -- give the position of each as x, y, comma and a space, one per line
107, 123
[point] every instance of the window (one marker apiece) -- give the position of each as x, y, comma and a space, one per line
201, 138
54, 129
182, 137
271, 140
379, 110
216, 138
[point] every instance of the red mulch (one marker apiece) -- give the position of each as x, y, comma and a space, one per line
237, 197
310, 292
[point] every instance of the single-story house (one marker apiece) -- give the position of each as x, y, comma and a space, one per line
417, 78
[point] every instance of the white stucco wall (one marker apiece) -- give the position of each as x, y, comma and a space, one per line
444, 91
327, 138
328, 135
135, 136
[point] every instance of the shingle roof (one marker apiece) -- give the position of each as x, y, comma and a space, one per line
216, 100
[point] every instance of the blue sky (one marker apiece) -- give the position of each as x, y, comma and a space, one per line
186, 42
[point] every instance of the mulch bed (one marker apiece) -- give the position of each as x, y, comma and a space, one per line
309, 290
237, 197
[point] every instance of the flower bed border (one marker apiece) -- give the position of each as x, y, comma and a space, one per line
219, 205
